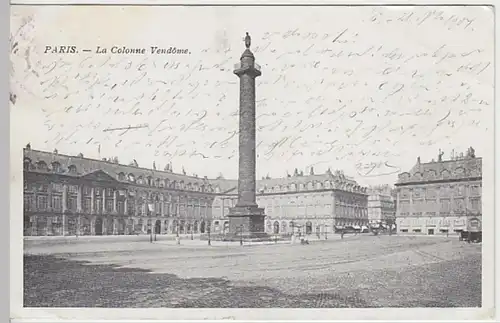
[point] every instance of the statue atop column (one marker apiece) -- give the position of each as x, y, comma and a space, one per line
248, 41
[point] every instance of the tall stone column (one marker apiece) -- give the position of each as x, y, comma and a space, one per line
246, 218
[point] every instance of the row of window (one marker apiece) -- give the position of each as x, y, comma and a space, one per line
459, 172
433, 222
431, 214
42, 166
166, 183
140, 180
441, 191
108, 192
55, 203
445, 205
313, 185
53, 225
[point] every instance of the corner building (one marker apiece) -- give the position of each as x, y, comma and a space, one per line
310, 204
440, 197
381, 205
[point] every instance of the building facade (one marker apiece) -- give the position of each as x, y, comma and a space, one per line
311, 204
68, 195
440, 197
381, 205
74, 195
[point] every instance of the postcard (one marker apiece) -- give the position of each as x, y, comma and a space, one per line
252, 162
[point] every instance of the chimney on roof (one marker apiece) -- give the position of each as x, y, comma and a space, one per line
311, 171
55, 151
440, 156
471, 153
80, 155
28, 146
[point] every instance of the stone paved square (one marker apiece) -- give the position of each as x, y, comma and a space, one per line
358, 271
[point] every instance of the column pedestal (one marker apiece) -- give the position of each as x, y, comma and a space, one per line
246, 222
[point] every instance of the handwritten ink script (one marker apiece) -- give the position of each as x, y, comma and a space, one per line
370, 91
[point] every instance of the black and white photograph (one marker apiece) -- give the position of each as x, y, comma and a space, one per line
248, 158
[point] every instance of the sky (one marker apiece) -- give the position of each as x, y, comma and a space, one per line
365, 90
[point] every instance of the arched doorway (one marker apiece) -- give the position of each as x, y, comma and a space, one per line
140, 225
85, 225
165, 224
226, 226
308, 227
195, 227
121, 226
318, 230
98, 227
276, 227
269, 226
157, 227
173, 227
150, 226
202, 227
181, 227
283, 227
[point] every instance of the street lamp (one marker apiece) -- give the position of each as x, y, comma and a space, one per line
191, 232
150, 209
177, 239
241, 235
208, 231
326, 231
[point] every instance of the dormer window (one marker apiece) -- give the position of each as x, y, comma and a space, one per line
56, 167
41, 165
27, 164
72, 169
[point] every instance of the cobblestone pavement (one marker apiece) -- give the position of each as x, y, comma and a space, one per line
363, 271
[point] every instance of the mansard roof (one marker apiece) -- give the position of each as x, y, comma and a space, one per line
321, 181
81, 166
463, 168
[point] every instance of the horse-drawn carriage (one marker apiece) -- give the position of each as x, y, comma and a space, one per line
473, 233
